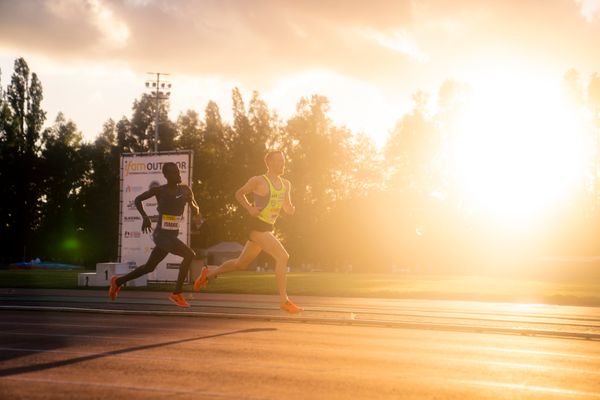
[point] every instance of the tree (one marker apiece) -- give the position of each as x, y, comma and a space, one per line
97, 204
63, 176
189, 126
411, 148
264, 123
246, 145
572, 87
417, 157
126, 142
142, 123
140, 132
206, 140
593, 95
320, 168
22, 120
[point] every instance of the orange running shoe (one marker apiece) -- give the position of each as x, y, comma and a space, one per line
114, 289
179, 300
290, 307
202, 280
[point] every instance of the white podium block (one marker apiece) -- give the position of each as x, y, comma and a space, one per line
86, 279
106, 271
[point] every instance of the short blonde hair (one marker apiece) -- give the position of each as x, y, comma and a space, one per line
270, 154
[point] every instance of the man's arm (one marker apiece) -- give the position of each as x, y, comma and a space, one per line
146, 223
192, 202
288, 207
240, 195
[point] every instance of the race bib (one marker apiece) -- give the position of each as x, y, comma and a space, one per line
170, 222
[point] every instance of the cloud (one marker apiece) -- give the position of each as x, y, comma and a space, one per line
64, 28
253, 41
251, 38
376, 52
399, 41
589, 9
114, 31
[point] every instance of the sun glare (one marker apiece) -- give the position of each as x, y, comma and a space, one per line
354, 103
520, 148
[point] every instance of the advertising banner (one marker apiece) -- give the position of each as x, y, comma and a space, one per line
139, 173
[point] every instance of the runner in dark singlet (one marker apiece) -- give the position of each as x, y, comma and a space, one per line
171, 199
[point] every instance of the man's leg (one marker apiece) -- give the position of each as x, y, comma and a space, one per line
271, 245
249, 253
156, 256
182, 250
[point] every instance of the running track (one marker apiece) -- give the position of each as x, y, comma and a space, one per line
241, 347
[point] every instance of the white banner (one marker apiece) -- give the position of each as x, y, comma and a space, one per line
140, 172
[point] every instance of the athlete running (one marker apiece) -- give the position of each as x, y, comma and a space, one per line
171, 199
271, 194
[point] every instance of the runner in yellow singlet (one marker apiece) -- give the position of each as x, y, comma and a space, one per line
271, 195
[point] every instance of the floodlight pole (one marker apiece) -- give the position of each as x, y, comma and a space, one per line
158, 93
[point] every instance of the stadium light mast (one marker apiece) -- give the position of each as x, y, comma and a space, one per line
160, 91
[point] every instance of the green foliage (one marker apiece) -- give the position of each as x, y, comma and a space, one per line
21, 163
59, 196
63, 179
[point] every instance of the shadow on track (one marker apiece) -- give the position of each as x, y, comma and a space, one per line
56, 364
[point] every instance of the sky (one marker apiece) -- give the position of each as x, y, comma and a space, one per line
368, 58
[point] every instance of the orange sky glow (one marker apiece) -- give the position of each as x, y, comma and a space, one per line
92, 55
92, 58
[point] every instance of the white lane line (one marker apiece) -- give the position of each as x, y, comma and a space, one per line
322, 320
529, 388
196, 393
153, 328
68, 325
532, 367
83, 353
542, 353
137, 338
122, 338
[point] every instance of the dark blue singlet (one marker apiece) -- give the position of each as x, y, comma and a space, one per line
170, 211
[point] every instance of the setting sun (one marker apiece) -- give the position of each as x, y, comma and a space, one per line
520, 148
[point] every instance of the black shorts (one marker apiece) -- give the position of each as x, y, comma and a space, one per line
168, 241
255, 224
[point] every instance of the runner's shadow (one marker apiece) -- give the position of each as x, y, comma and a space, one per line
13, 346
62, 363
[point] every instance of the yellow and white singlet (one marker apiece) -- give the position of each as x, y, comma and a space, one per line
270, 204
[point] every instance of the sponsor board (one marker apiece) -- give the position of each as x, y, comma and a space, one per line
131, 249
132, 234
139, 173
137, 166
133, 189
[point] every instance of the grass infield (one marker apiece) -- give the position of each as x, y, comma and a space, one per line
393, 286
